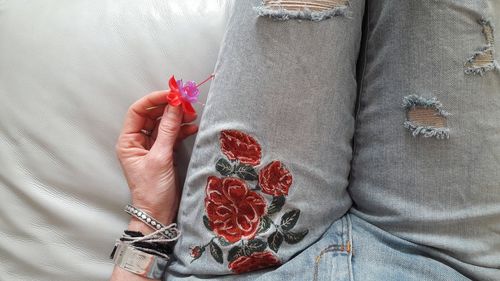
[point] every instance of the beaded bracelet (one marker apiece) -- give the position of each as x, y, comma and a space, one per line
170, 232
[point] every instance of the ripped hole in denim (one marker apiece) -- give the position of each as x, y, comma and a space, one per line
483, 60
425, 116
315, 10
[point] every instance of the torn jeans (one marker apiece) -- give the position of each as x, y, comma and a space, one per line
344, 140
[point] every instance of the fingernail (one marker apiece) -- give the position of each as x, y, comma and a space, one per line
176, 107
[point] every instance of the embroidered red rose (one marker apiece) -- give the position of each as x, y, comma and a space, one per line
255, 261
233, 210
275, 179
237, 145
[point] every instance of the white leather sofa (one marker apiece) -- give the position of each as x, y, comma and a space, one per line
69, 69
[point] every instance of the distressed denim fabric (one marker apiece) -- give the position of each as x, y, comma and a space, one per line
378, 255
270, 164
351, 249
441, 193
267, 181
328, 258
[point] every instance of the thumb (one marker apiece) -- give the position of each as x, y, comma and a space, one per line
168, 129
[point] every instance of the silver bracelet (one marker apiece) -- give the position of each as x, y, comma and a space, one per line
169, 233
138, 262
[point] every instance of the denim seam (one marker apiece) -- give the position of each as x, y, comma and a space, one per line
350, 246
361, 88
343, 249
335, 248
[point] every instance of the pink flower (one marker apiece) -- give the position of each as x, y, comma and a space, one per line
189, 91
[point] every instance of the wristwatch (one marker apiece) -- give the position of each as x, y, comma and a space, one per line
138, 262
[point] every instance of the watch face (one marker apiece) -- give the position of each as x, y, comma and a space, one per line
138, 262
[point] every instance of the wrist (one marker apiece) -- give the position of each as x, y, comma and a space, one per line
137, 225
147, 222
158, 203
165, 215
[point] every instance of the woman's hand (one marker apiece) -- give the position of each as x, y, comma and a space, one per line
148, 160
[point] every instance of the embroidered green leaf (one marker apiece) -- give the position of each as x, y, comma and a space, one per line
276, 204
255, 245
206, 222
246, 172
216, 252
293, 237
274, 240
265, 223
223, 241
289, 219
234, 253
224, 167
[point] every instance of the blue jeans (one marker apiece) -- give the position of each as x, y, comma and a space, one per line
344, 140
352, 249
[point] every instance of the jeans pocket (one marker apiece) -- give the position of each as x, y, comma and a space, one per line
333, 261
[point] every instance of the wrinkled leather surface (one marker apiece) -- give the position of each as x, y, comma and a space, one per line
68, 72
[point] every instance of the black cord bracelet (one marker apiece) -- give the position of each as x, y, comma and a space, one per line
164, 248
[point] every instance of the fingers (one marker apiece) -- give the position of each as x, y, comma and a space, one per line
153, 125
189, 118
137, 114
168, 130
149, 124
156, 112
154, 133
186, 131
165, 122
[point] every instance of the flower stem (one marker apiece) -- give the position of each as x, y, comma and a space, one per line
208, 78
275, 225
209, 242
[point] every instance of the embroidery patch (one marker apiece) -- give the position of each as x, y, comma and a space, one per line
237, 211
